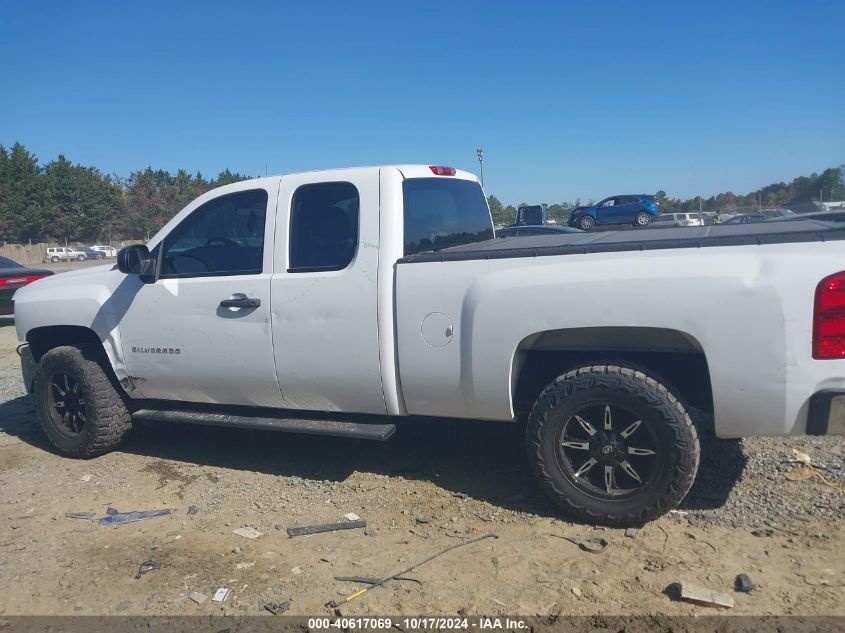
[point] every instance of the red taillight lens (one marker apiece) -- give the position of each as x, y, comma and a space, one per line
439, 170
20, 281
829, 318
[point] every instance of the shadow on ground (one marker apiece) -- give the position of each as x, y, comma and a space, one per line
485, 460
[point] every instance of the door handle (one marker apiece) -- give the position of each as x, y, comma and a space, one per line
240, 301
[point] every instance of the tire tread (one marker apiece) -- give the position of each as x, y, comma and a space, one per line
109, 419
631, 380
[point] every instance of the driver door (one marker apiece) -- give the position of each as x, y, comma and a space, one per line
201, 331
605, 211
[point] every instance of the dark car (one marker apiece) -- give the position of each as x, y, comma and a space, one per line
14, 276
746, 218
90, 253
532, 220
636, 209
778, 214
534, 229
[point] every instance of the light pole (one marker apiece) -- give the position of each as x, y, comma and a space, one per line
480, 152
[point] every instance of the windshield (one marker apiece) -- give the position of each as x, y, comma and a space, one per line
8, 263
441, 212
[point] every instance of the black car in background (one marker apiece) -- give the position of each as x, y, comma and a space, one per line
745, 218
14, 276
90, 253
534, 229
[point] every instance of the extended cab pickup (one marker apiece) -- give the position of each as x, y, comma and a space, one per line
336, 302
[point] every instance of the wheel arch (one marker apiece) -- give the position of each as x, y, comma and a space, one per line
42, 339
673, 356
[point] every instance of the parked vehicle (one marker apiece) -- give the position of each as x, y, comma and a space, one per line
531, 229
533, 220
678, 219
745, 218
335, 302
13, 276
63, 253
90, 253
639, 210
781, 214
108, 251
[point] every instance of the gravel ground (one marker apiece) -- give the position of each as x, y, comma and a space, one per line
420, 492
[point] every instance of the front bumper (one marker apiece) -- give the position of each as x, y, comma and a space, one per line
826, 413
28, 366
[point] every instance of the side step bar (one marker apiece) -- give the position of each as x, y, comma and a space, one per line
334, 428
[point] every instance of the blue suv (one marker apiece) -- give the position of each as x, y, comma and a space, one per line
638, 210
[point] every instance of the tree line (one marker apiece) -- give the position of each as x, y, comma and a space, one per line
61, 200
799, 194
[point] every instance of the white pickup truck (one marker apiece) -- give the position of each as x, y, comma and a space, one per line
335, 302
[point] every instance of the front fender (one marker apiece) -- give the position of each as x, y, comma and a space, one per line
94, 298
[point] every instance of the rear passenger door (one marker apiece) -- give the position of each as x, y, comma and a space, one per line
325, 292
625, 209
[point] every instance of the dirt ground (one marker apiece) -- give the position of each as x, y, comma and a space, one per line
426, 489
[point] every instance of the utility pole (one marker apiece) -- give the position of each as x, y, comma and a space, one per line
759, 201
480, 153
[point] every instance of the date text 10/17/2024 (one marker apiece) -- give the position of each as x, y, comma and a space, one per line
419, 623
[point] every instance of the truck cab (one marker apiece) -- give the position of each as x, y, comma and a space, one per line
247, 291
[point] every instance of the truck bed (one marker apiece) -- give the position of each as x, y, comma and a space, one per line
780, 232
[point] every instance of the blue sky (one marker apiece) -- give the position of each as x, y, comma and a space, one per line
568, 99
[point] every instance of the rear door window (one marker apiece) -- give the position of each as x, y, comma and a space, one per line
323, 227
442, 212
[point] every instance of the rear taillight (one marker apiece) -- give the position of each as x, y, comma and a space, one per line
829, 318
439, 170
20, 281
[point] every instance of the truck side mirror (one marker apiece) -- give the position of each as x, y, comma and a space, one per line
136, 260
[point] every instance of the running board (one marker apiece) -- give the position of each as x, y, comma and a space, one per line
334, 428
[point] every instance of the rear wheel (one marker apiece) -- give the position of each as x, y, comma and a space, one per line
586, 223
54, 259
79, 407
642, 219
612, 445
81, 258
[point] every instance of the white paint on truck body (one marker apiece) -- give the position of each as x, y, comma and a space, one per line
325, 323
748, 308
354, 340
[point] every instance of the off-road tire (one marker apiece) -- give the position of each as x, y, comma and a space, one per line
108, 419
677, 441
54, 259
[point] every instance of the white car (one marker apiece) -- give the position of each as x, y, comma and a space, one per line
108, 251
678, 219
63, 253
335, 302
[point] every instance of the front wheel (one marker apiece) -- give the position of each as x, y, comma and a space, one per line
81, 258
642, 219
612, 445
586, 223
79, 407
